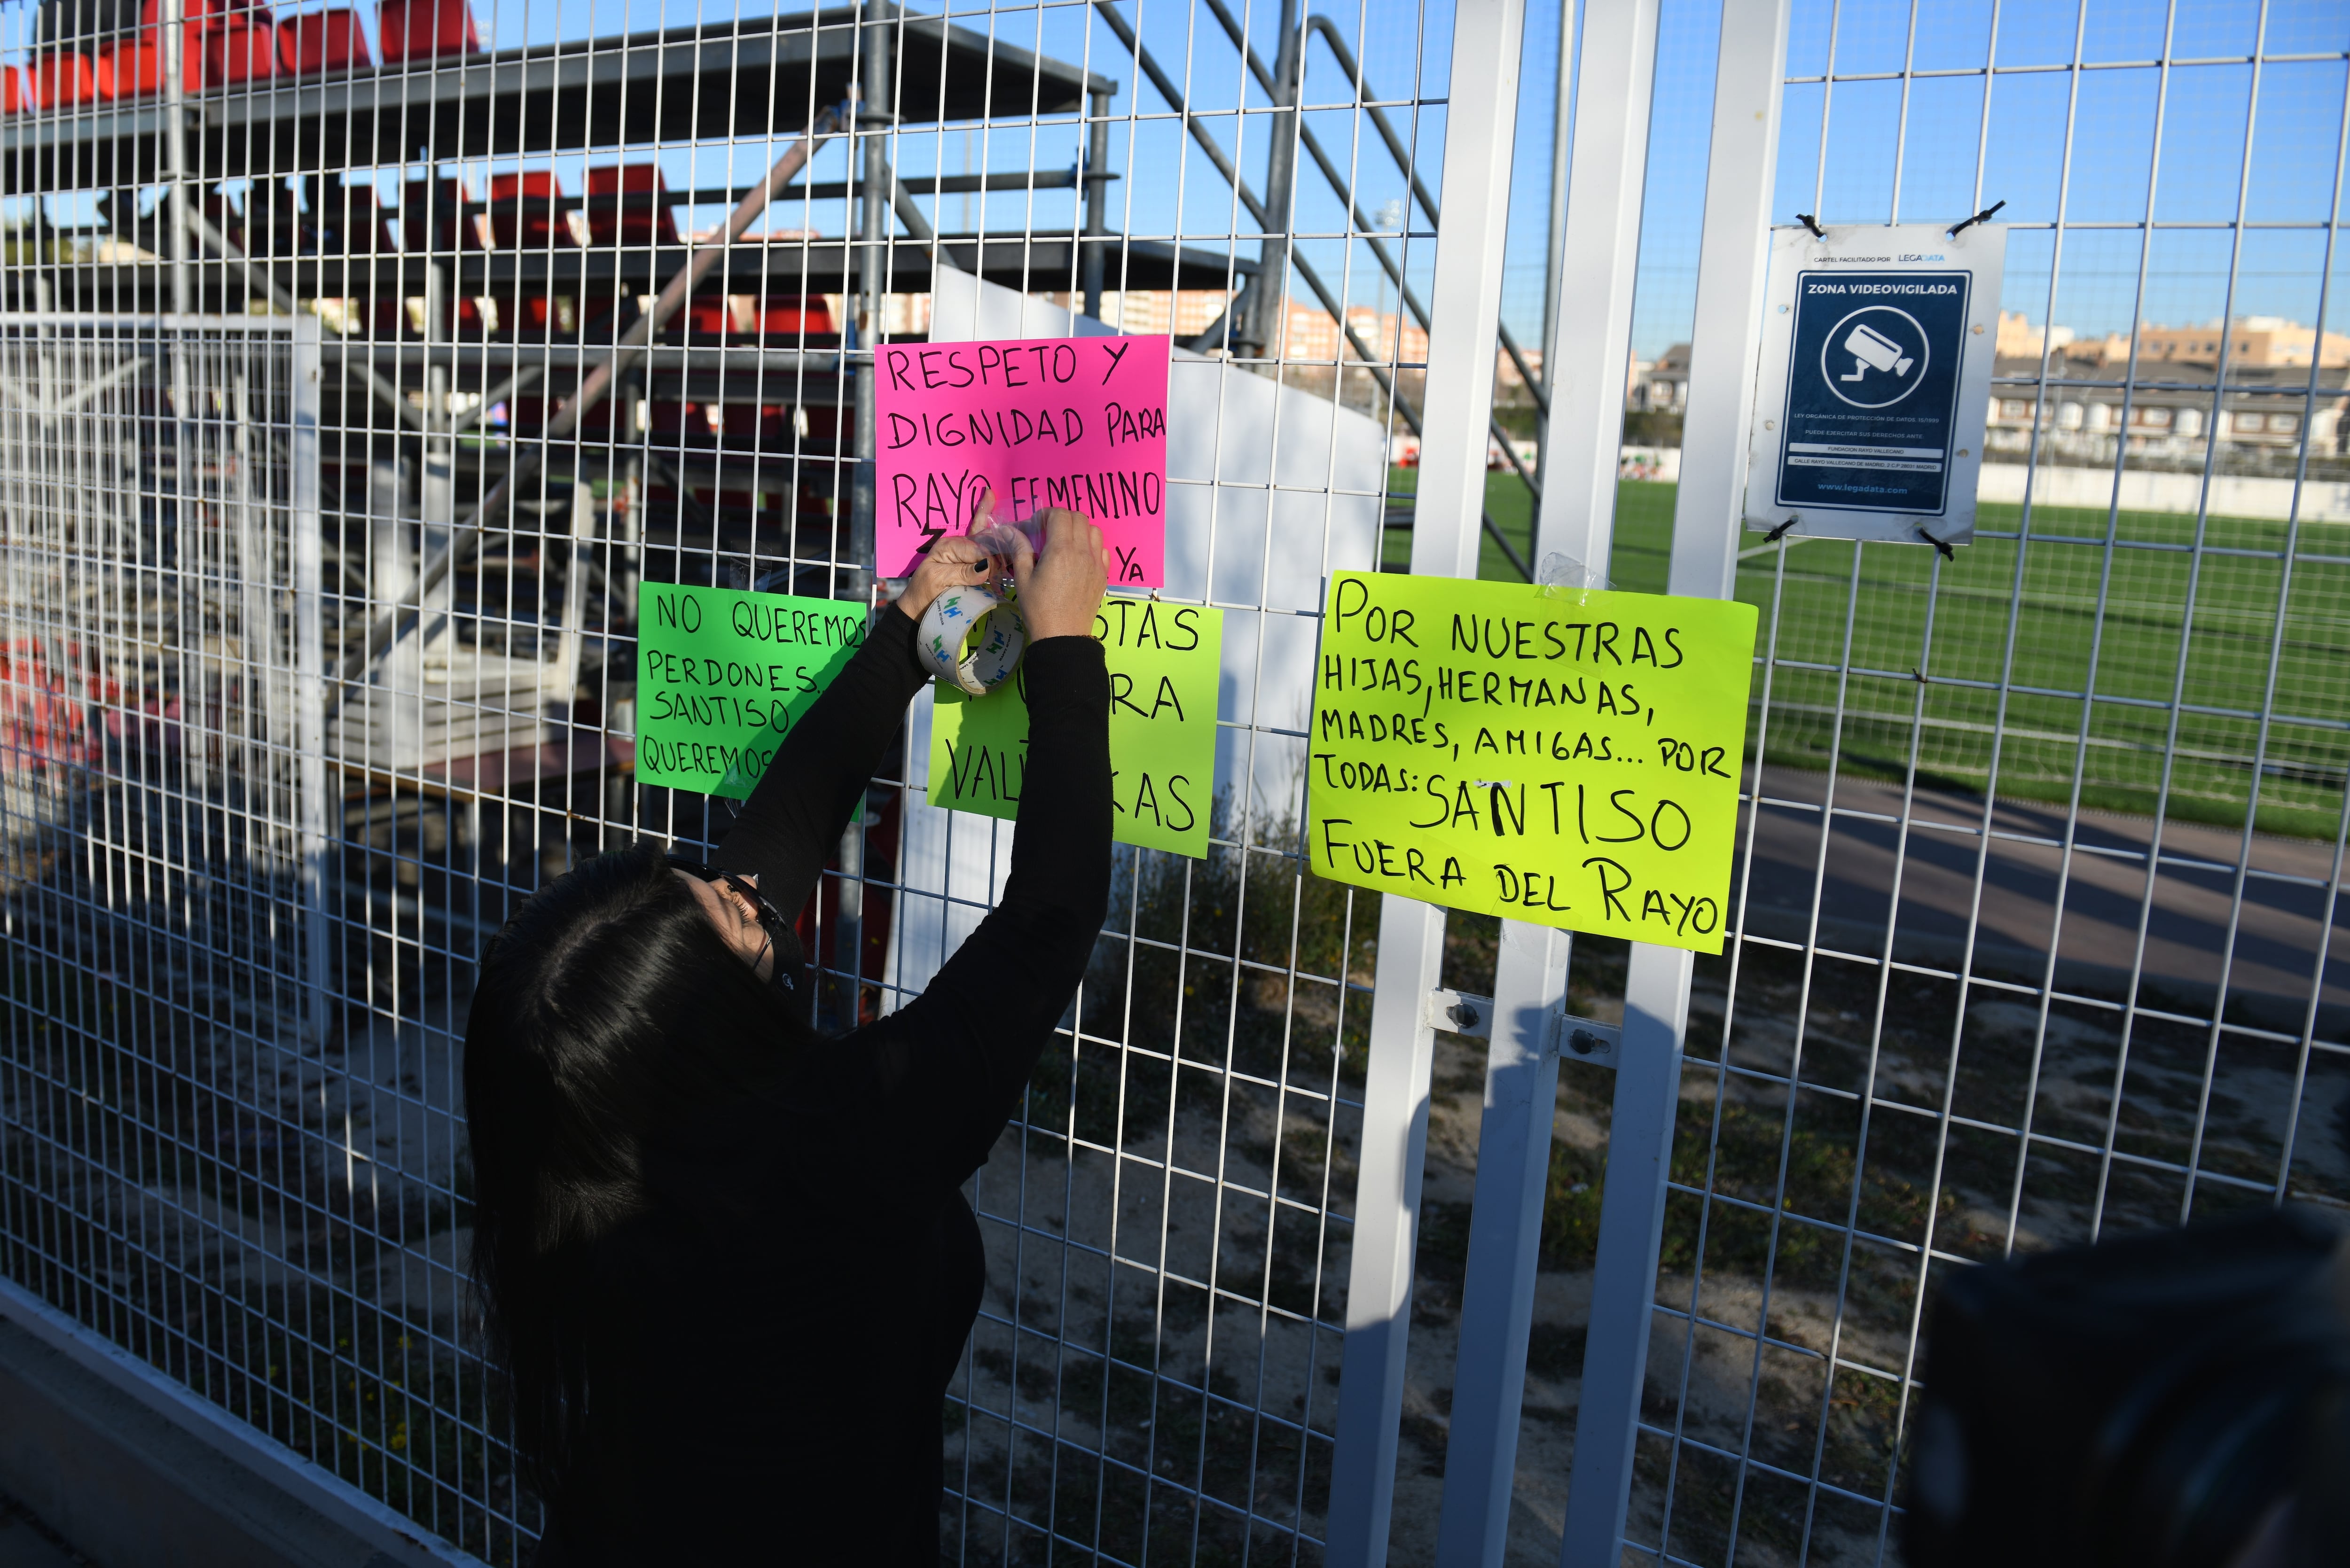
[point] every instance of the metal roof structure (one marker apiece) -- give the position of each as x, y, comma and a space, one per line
750, 78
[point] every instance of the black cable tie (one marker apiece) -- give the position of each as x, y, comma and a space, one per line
1942, 546
1814, 225
1982, 217
1918, 676
1774, 535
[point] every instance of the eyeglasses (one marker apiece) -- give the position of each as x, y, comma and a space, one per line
771, 919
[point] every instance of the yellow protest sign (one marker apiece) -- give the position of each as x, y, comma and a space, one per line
1166, 663
1565, 756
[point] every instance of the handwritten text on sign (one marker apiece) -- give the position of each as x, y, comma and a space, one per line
1563, 756
1165, 665
1079, 422
723, 675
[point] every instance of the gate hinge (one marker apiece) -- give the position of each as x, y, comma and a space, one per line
1460, 1013
1570, 1038
1581, 1040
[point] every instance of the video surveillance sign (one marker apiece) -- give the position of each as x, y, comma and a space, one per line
1874, 381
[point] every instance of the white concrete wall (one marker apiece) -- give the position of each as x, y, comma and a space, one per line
2326, 501
1661, 464
2321, 501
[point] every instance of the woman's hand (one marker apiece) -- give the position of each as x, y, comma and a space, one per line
1060, 594
956, 561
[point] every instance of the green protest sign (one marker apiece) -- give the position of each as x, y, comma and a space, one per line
722, 675
1565, 756
1166, 662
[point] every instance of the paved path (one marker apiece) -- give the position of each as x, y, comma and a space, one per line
2282, 927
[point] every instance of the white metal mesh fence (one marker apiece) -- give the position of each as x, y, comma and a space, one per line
2039, 930
475, 206
167, 1111
2041, 862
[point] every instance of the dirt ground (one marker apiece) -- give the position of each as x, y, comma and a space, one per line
1156, 1376
1855, 1185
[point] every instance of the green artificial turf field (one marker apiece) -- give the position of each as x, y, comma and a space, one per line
1973, 622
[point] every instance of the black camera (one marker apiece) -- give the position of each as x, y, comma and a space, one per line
2174, 1399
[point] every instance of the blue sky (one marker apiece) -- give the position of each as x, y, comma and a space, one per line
2295, 126
1956, 144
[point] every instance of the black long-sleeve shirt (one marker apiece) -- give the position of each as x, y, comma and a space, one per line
796, 1300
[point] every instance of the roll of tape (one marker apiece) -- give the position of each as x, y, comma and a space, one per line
993, 654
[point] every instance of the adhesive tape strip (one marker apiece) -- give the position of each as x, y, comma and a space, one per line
949, 621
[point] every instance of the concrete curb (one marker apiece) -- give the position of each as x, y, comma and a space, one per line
136, 1469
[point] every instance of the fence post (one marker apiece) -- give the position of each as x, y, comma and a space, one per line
305, 556
1489, 1374
1599, 253
1481, 124
1731, 260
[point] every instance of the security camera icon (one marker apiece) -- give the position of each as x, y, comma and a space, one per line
1872, 351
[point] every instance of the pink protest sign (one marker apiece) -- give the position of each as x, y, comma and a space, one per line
1079, 422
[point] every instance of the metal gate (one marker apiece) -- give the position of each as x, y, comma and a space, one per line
2036, 932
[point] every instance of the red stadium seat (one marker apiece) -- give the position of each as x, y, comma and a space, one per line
615, 224
523, 211
63, 80
534, 315
14, 96
426, 29
204, 16
705, 319
134, 67
322, 41
783, 316
238, 50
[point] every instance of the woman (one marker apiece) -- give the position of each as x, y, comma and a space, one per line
725, 1264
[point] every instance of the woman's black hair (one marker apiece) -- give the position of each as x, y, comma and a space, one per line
609, 1016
